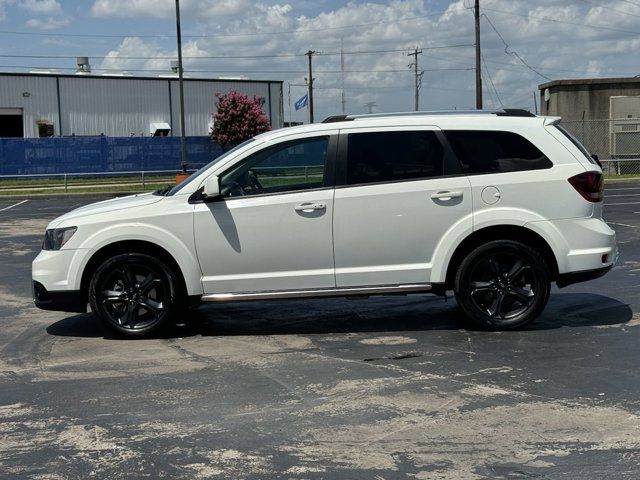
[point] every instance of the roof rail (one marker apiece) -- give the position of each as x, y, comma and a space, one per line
336, 118
506, 112
515, 112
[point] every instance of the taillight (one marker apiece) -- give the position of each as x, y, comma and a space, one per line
589, 184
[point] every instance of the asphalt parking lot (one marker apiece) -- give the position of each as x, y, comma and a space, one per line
374, 389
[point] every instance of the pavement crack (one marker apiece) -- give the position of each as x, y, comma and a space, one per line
401, 356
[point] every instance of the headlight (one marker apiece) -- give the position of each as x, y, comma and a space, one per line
54, 239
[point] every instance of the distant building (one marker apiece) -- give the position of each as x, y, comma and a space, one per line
603, 113
585, 99
51, 104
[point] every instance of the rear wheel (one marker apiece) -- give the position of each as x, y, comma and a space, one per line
503, 285
134, 294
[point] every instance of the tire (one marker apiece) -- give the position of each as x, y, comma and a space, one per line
502, 285
134, 294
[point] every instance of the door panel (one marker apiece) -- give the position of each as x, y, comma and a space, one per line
386, 234
393, 206
272, 228
266, 243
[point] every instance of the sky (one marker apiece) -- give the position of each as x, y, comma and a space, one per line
524, 43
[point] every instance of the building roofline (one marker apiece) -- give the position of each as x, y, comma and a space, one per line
588, 81
135, 77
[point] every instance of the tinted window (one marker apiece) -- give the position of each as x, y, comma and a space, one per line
494, 152
578, 145
288, 166
393, 156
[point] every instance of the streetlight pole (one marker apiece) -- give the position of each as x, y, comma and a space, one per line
183, 140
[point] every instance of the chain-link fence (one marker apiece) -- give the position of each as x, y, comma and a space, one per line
615, 142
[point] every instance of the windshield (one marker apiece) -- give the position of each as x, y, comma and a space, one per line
194, 176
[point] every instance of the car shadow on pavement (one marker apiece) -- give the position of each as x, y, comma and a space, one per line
380, 314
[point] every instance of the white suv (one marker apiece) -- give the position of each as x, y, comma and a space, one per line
493, 205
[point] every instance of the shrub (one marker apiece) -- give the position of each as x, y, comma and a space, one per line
238, 119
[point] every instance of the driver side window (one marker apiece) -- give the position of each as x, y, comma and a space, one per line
285, 167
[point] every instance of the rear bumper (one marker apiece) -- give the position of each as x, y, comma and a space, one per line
566, 279
62, 301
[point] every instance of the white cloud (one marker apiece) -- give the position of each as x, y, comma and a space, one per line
50, 15
555, 49
50, 23
166, 9
135, 47
42, 7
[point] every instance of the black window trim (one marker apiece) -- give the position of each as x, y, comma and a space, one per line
450, 165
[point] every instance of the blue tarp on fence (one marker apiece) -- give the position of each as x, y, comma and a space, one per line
24, 156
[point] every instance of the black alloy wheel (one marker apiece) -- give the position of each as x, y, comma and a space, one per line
133, 294
503, 285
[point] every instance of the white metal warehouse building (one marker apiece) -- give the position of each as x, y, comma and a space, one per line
32, 104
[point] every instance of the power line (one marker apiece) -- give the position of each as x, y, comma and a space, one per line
553, 20
218, 70
486, 69
631, 3
513, 52
610, 8
219, 35
213, 57
365, 52
465, 61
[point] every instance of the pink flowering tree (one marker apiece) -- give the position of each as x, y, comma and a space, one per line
238, 119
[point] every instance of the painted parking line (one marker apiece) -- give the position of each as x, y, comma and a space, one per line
624, 195
14, 205
622, 225
617, 189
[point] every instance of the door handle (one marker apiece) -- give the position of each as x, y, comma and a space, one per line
446, 195
310, 207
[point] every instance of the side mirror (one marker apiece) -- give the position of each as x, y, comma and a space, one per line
211, 188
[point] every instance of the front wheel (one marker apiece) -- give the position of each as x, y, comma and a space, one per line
502, 285
134, 294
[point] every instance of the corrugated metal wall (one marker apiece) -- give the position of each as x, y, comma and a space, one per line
37, 98
113, 107
120, 107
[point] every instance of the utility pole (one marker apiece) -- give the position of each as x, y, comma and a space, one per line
418, 76
310, 84
369, 106
183, 140
344, 98
290, 119
478, 58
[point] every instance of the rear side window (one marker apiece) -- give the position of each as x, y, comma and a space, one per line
577, 144
482, 151
393, 156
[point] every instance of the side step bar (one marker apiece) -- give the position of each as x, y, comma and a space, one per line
324, 292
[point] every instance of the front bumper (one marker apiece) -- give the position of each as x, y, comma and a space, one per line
62, 301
